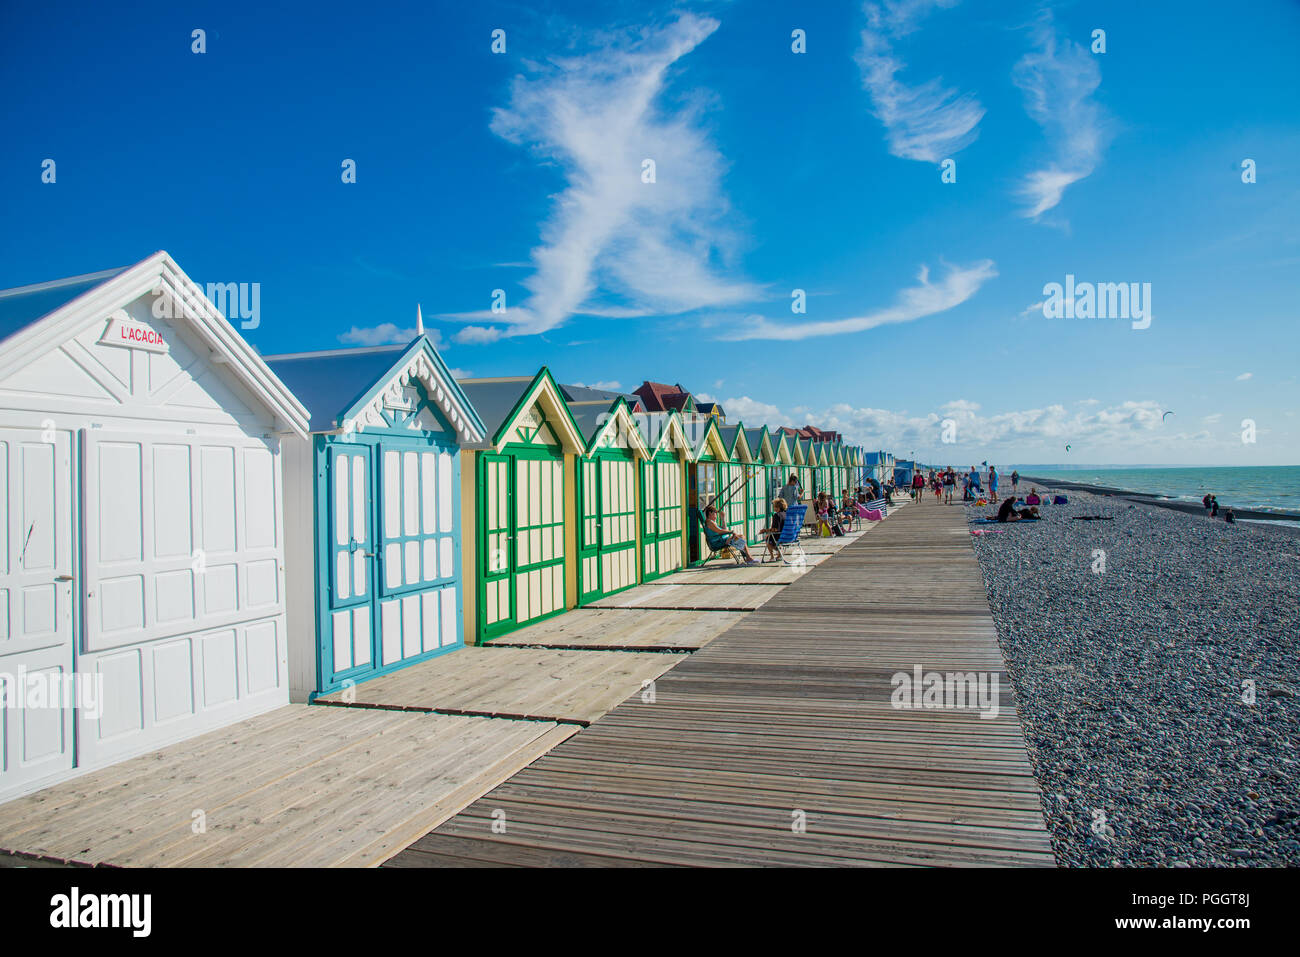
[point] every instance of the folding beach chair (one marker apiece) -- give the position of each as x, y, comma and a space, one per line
735, 553
788, 544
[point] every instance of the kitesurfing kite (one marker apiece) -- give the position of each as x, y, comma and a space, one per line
1067, 448
1165, 416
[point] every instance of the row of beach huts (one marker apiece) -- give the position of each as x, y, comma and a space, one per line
194, 533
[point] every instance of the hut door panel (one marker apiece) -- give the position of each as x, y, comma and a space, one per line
183, 620
36, 567
668, 505
352, 551
734, 482
757, 504
588, 529
418, 581
496, 563
618, 524
538, 568
607, 530
649, 520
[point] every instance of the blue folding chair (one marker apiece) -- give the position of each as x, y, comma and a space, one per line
788, 544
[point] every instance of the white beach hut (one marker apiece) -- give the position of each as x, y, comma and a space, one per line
141, 534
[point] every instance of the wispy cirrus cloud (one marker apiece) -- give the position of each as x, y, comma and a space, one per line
653, 245
926, 298
926, 122
1058, 80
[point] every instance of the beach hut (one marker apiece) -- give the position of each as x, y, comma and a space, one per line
759, 491
141, 521
373, 521
518, 495
709, 456
606, 494
735, 476
663, 493
903, 471
782, 462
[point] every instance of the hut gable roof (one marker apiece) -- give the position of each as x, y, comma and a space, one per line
373, 383
503, 402
38, 318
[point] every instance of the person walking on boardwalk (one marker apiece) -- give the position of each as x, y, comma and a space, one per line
918, 487
949, 483
791, 491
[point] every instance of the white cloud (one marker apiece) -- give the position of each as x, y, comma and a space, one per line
752, 412
916, 302
926, 122
612, 386
1244, 376
1048, 429
653, 245
478, 334
383, 334
461, 373
1058, 81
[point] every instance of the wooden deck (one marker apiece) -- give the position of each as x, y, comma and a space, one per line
624, 628
785, 720
691, 597
540, 684
298, 787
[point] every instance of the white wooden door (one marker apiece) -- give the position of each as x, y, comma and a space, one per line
36, 567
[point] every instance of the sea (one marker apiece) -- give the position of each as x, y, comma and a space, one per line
1265, 488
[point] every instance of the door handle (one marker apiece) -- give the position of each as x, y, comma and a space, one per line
63, 578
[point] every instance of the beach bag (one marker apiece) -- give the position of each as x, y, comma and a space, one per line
1060, 500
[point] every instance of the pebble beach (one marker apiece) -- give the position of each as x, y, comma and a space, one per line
1155, 661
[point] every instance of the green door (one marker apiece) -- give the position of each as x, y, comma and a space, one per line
521, 539
606, 525
661, 517
758, 502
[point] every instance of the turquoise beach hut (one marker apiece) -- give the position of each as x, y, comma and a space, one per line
373, 515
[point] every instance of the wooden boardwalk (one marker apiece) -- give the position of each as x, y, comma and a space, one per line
299, 786
777, 744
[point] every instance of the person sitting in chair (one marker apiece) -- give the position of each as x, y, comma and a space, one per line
774, 531
848, 509
1032, 498
720, 537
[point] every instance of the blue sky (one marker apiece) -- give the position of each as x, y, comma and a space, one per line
774, 171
